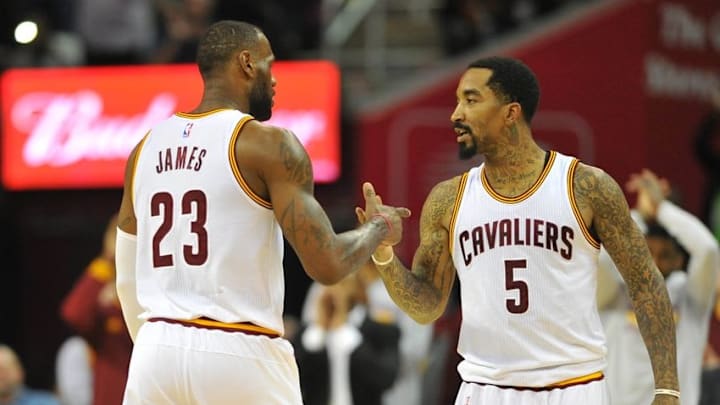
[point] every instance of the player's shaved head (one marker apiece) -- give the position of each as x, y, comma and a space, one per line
222, 40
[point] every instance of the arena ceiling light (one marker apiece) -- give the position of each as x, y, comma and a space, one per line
26, 32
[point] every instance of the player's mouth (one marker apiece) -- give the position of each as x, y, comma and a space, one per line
462, 134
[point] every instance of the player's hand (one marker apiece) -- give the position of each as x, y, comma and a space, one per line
651, 191
393, 215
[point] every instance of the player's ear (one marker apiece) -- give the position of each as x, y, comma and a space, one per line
245, 63
513, 113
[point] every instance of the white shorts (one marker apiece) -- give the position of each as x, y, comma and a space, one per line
180, 365
592, 393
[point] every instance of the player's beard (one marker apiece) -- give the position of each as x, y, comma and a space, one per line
466, 152
261, 100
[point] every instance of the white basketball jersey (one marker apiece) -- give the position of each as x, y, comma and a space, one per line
207, 245
528, 270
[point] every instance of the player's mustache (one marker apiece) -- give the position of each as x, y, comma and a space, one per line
459, 125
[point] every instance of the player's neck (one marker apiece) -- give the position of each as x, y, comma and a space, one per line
216, 97
518, 155
516, 170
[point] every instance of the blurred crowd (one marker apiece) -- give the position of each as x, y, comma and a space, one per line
101, 32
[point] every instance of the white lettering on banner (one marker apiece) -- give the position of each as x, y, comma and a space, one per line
66, 128
665, 78
679, 28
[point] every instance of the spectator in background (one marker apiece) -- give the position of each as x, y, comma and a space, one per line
347, 352
73, 372
441, 380
290, 36
185, 22
116, 31
710, 385
707, 149
672, 234
12, 383
92, 308
464, 24
467, 23
415, 341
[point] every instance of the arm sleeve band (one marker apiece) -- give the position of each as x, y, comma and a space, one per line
125, 249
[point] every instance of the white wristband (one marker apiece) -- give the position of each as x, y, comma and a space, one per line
665, 391
383, 263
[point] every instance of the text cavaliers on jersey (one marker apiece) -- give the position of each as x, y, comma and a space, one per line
518, 232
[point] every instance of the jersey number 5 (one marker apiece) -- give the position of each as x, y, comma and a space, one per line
193, 201
520, 305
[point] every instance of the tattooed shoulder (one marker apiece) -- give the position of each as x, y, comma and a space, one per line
439, 203
295, 159
599, 198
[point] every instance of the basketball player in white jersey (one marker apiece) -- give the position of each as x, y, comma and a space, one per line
671, 233
522, 232
208, 197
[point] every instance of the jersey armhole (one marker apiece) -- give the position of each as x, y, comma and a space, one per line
456, 209
235, 169
135, 165
576, 211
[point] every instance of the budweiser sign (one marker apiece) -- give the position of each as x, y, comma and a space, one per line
64, 129
79, 130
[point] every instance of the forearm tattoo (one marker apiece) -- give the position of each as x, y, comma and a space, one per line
306, 225
423, 291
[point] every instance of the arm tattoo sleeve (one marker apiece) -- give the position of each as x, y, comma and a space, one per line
423, 292
599, 193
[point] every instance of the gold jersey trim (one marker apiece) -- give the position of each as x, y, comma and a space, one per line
235, 326
236, 171
194, 116
524, 196
135, 165
598, 375
213, 324
588, 378
576, 211
456, 209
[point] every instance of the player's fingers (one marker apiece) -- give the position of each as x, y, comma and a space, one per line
368, 191
360, 214
403, 212
633, 184
665, 187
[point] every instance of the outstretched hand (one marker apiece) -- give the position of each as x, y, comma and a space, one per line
651, 191
375, 207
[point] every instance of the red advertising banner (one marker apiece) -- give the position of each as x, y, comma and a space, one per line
74, 128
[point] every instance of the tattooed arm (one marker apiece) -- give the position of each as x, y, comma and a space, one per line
423, 292
277, 167
603, 205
